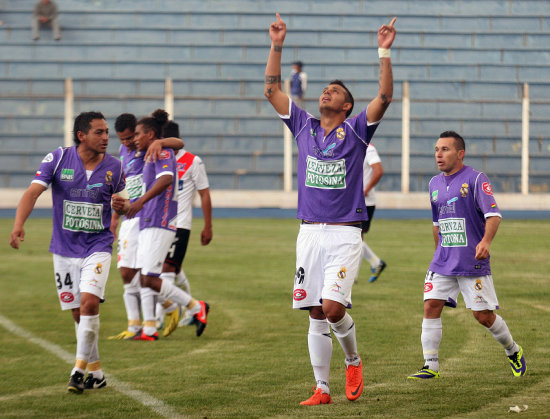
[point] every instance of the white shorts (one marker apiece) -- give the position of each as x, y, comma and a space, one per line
128, 243
478, 291
73, 276
152, 249
328, 258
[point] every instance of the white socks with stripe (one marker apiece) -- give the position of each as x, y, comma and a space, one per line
320, 351
432, 332
86, 337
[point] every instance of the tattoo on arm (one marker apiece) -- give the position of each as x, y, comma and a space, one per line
278, 48
269, 92
273, 79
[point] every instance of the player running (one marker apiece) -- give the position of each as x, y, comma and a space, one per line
331, 204
84, 179
465, 221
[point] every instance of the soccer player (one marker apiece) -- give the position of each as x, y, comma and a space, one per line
331, 204
372, 173
191, 178
465, 221
84, 180
132, 162
157, 208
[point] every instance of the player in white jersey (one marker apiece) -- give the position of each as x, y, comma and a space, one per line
372, 173
191, 178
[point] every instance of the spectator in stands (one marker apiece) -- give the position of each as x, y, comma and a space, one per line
45, 13
298, 83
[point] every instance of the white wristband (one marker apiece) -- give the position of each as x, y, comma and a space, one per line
384, 53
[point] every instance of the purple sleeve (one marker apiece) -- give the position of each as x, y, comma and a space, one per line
484, 196
165, 163
122, 180
362, 128
296, 120
46, 171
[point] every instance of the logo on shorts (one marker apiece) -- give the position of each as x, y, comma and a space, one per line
464, 190
479, 285
428, 286
98, 268
66, 297
336, 288
299, 294
342, 273
480, 300
487, 188
299, 276
108, 177
67, 174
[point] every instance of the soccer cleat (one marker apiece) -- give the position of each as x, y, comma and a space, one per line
143, 336
517, 362
424, 373
354, 381
200, 317
126, 335
188, 320
171, 321
376, 271
92, 383
76, 384
319, 397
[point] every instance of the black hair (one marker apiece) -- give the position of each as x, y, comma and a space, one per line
171, 129
83, 124
459, 141
349, 96
125, 121
155, 122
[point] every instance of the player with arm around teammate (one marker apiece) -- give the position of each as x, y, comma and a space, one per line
133, 161
331, 204
465, 220
84, 181
157, 208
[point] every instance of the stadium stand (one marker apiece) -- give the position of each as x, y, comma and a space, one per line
466, 62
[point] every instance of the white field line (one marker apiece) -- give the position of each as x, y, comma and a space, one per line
156, 405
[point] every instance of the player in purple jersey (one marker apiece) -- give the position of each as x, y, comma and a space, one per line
157, 209
85, 181
331, 204
465, 220
133, 161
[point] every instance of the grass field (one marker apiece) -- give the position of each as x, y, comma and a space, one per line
252, 360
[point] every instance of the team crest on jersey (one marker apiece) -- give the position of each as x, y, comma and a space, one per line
98, 268
464, 190
108, 177
340, 133
342, 273
48, 158
478, 286
487, 188
312, 132
434, 195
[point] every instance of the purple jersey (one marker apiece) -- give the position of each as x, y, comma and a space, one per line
330, 168
81, 206
460, 204
161, 211
132, 164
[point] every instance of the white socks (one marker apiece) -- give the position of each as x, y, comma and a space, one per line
148, 301
432, 332
169, 291
320, 351
86, 337
183, 282
502, 335
344, 330
368, 254
131, 298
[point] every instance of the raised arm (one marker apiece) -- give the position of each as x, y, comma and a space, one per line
154, 150
272, 85
378, 106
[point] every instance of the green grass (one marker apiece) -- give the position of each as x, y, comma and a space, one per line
252, 360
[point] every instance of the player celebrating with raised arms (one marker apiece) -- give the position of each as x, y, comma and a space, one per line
465, 221
331, 204
84, 181
157, 209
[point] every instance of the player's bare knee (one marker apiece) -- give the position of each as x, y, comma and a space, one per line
485, 317
433, 308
